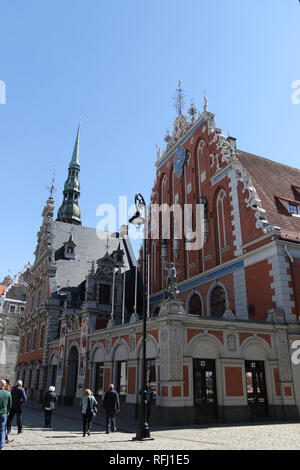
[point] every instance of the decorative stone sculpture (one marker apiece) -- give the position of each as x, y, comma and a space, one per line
171, 290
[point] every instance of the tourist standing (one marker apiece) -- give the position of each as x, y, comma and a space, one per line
111, 406
18, 396
50, 398
88, 410
8, 389
5, 406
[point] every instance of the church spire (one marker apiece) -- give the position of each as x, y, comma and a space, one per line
75, 156
69, 211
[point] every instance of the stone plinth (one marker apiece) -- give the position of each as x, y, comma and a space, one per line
171, 307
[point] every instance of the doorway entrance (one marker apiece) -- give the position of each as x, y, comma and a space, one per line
205, 391
256, 389
72, 370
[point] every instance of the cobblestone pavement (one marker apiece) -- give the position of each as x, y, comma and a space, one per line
66, 435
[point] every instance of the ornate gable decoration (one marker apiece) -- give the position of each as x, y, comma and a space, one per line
254, 202
221, 151
181, 127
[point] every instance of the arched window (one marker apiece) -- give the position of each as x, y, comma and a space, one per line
156, 311
217, 302
195, 305
221, 225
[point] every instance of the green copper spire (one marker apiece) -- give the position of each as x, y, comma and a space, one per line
69, 211
75, 156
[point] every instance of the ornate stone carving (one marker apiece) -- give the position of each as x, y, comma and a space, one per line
254, 202
132, 343
164, 354
181, 127
231, 342
283, 356
108, 346
176, 353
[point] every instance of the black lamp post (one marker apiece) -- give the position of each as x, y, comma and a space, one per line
143, 430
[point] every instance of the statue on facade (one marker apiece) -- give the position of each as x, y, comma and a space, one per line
171, 290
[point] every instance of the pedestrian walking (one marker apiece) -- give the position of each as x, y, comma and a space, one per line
50, 398
5, 407
8, 389
111, 406
88, 406
18, 396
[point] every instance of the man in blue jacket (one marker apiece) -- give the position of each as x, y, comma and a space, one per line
18, 396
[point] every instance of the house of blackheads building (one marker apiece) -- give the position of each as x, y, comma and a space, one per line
223, 346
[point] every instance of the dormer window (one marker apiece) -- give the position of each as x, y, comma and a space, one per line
70, 246
293, 209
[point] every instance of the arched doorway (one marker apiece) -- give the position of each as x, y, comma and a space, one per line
72, 370
217, 302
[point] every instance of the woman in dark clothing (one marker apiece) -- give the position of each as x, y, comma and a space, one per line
88, 410
50, 398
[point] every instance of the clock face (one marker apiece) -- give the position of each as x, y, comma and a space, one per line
179, 159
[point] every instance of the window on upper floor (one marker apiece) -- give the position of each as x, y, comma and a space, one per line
42, 332
195, 305
217, 302
104, 294
33, 340
28, 342
293, 209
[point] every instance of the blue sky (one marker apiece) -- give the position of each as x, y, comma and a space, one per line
118, 64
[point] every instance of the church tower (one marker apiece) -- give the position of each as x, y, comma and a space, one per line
69, 211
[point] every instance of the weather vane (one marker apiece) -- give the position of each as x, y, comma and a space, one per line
179, 99
52, 187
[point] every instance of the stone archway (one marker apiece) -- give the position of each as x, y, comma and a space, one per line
72, 371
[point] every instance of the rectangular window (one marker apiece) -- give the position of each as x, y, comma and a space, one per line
12, 308
99, 379
122, 379
42, 336
293, 209
22, 345
151, 370
151, 374
28, 342
33, 340
104, 294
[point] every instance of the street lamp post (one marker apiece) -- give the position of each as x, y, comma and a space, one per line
143, 430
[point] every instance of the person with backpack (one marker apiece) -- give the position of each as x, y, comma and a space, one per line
88, 411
